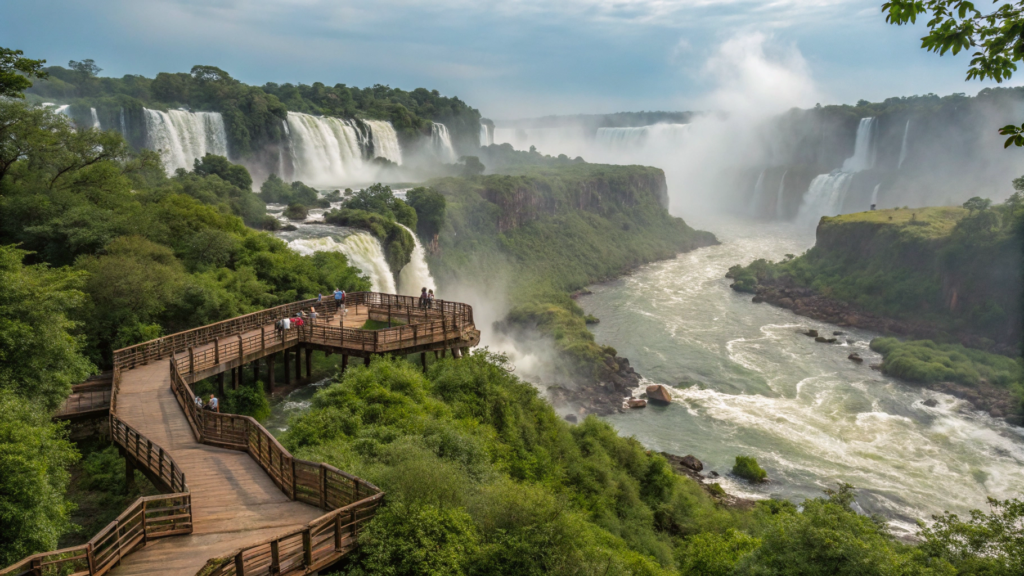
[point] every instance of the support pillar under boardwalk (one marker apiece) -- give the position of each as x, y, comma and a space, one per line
220, 385
298, 363
423, 360
457, 353
366, 361
344, 362
236, 376
255, 370
287, 367
270, 372
129, 472
309, 362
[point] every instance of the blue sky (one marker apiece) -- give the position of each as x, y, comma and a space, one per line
510, 58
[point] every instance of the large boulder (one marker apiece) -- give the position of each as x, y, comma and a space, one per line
692, 463
636, 403
658, 394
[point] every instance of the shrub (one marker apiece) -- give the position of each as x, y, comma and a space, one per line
249, 400
746, 467
296, 212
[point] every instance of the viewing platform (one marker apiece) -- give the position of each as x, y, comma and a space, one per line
234, 501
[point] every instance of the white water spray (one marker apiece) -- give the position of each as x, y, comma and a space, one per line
827, 192
362, 250
415, 275
324, 149
95, 119
184, 136
385, 140
903, 147
778, 200
442, 143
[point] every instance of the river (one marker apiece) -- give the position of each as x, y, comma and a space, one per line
748, 383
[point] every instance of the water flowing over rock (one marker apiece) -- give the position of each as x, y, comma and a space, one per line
863, 152
827, 192
324, 149
182, 136
415, 275
779, 199
385, 140
363, 252
757, 204
903, 147
95, 119
441, 143
640, 136
486, 135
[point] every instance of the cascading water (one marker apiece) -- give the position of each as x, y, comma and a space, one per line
903, 147
95, 119
62, 109
827, 192
778, 200
324, 149
874, 195
385, 140
362, 250
124, 125
415, 275
486, 136
638, 136
441, 142
757, 201
184, 136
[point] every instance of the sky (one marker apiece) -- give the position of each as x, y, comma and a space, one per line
508, 58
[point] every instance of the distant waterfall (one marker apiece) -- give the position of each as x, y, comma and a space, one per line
385, 140
62, 109
124, 125
362, 250
874, 195
638, 136
442, 143
95, 119
324, 149
757, 201
415, 275
903, 147
863, 153
184, 136
778, 200
827, 192
486, 135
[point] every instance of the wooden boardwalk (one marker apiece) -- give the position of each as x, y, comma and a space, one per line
235, 502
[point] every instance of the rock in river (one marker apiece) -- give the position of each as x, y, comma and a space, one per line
658, 394
855, 357
636, 403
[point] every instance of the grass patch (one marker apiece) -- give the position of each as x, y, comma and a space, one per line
379, 325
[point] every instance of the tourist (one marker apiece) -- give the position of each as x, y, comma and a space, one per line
199, 403
338, 300
423, 297
430, 299
213, 405
312, 316
344, 311
319, 298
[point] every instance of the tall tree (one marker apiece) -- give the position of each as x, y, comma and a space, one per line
955, 25
15, 72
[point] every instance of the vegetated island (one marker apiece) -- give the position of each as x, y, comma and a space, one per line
949, 277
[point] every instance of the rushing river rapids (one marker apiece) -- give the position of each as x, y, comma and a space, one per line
749, 384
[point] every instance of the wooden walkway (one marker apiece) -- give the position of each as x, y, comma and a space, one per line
235, 501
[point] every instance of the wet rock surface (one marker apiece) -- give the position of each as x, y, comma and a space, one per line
606, 394
691, 467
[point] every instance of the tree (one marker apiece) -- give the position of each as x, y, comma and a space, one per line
219, 165
955, 25
87, 68
40, 357
978, 204
986, 544
34, 457
430, 207
473, 166
15, 72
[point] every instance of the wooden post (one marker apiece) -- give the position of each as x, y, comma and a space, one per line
216, 350
129, 473
337, 533
241, 347
143, 519
309, 362
275, 558
271, 360
307, 549
255, 370
236, 375
366, 360
323, 486
293, 477
389, 314
239, 565
298, 363
287, 368
423, 359
191, 360
344, 362
263, 337
91, 560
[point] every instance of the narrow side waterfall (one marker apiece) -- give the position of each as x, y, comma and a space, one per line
874, 195
324, 149
184, 136
486, 136
441, 142
415, 275
757, 200
124, 125
778, 199
863, 153
95, 119
903, 147
824, 197
62, 109
385, 140
362, 250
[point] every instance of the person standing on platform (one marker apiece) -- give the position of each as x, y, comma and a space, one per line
337, 300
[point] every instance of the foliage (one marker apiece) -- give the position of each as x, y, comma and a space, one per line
296, 212
989, 544
15, 72
746, 467
34, 457
236, 174
377, 210
248, 400
957, 25
40, 348
430, 206
98, 490
379, 199
277, 191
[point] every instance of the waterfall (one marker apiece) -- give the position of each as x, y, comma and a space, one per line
778, 200
758, 198
62, 109
863, 154
874, 195
415, 275
486, 135
95, 119
638, 136
124, 126
184, 136
442, 143
385, 140
324, 149
824, 196
362, 250
903, 147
